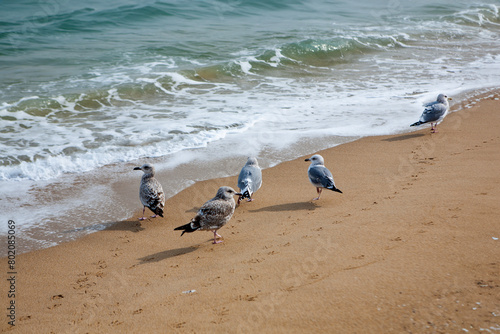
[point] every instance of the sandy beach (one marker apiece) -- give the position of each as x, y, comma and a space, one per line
411, 246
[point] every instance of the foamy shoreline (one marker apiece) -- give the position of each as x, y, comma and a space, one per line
411, 241
76, 219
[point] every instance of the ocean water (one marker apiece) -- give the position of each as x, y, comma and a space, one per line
88, 90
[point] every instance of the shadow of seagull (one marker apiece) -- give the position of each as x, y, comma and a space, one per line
166, 254
129, 225
288, 207
404, 137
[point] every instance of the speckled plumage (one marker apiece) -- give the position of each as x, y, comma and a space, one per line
214, 214
150, 191
250, 179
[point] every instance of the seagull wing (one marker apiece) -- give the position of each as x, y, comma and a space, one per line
320, 176
215, 213
433, 112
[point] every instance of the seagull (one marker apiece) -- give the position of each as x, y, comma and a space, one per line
150, 192
320, 176
250, 179
434, 112
214, 214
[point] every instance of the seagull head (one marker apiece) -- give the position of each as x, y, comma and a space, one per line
316, 160
226, 193
252, 161
443, 98
146, 168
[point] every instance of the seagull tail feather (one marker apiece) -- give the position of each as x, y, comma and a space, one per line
158, 211
185, 228
417, 123
245, 193
336, 189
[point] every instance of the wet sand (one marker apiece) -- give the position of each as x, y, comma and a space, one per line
410, 246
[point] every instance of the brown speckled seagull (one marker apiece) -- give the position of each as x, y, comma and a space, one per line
151, 192
213, 214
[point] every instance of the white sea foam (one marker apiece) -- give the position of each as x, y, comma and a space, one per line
245, 67
343, 108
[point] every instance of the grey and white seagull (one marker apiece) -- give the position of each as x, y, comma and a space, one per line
434, 112
151, 192
214, 214
250, 179
320, 176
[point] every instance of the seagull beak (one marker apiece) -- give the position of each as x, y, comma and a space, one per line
307, 159
137, 168
239, 194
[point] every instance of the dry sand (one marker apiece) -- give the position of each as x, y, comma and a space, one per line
410, 246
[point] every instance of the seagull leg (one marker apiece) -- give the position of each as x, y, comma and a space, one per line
215, 237
433, 128
250, 199
143, 209
154, 216
319, 190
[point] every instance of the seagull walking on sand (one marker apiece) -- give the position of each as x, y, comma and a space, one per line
214, 214
151, 192
250, 179
320, 176
434, 112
